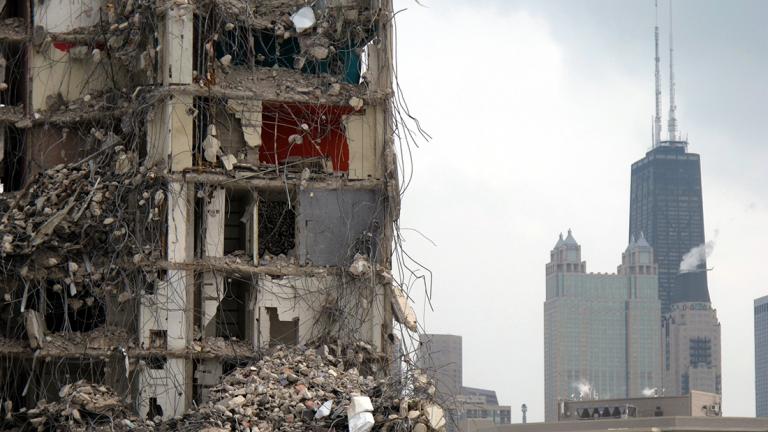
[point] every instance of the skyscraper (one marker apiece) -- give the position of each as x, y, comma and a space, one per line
601, 331
761, 356
666, 206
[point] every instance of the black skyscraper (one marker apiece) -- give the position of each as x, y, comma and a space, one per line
666, 205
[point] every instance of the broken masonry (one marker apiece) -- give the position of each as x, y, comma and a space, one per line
186, 186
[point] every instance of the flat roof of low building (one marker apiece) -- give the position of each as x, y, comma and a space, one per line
646, 424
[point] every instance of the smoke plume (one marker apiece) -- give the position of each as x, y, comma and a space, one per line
696, 256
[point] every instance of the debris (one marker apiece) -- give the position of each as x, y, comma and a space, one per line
281, 393
303, 19
211, 145
35, 325
360, 265
356, 103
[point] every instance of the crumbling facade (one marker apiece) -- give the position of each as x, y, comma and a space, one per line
189, 182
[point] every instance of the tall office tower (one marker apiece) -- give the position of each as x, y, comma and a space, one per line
666, 206
601, 331
761, 356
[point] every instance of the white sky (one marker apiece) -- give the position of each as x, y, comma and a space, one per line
537, 109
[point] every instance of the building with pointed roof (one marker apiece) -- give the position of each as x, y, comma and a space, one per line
601, 330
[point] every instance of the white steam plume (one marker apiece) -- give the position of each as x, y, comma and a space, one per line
648, 392
696, 256
584, 389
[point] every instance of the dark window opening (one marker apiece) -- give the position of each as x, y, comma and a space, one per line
155, 410
237, 220
282, 332
13, 9
12, 70
277, 225
158, 339
14, 161
200, 122
79, 313
231, 313
228, 366
156, 362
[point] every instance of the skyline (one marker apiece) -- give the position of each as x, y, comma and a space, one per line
578, 90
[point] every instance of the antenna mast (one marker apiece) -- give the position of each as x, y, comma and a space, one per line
672, 123
657, 118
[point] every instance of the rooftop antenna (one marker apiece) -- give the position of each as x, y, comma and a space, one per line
672, 123
657, 118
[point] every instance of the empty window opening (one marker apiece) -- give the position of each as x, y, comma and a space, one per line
228, 366
79, 313
237, 221
277, 225
282, 332
12, 68
13, 9
263, 48
155, 410
158, 339
13, 162
294, 135
156, 362
201, 120
231, 313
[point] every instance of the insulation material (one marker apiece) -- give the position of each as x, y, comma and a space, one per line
335, 225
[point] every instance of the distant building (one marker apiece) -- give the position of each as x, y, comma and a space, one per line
694, 404
694, 412
666, 206
761, 356
691, 334
601, 331
440, 356
467, 409
480, 405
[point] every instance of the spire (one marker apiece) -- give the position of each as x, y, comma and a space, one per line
559, 241
570, 241
657, 76
672, 122
641, 241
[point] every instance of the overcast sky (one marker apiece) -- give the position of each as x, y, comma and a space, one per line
537, 109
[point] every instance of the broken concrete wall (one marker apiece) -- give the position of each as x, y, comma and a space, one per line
233, 136
170, 133
162, 388
59, 16
63, 76
334, 225
48, 146
308, 308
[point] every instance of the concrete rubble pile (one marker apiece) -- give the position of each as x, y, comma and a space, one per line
82, 407
314, 389
74, 228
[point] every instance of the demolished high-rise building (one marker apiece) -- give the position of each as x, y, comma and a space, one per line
186, 183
